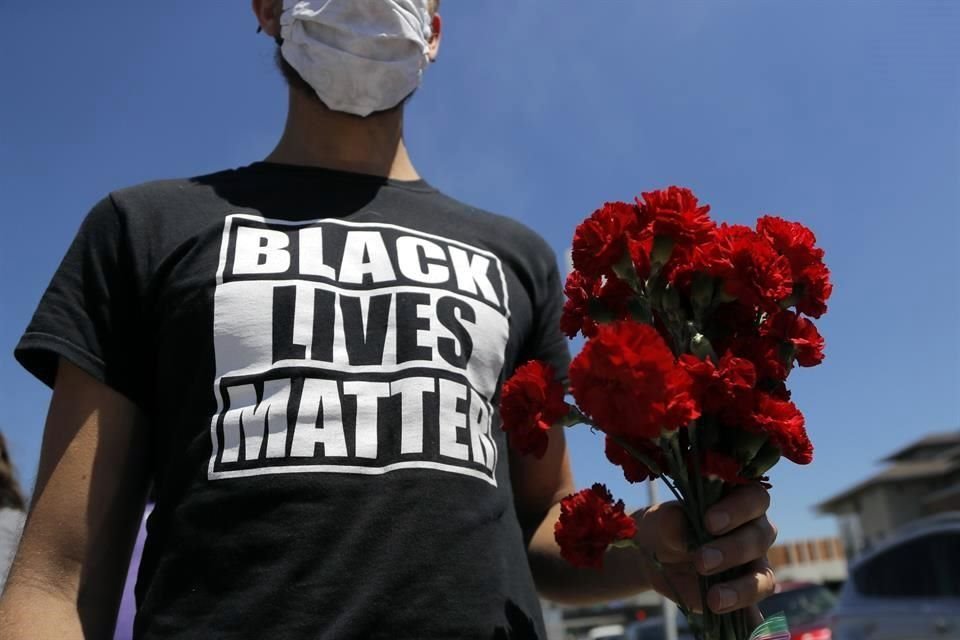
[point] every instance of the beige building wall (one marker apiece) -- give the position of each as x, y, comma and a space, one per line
876, 519
886, 507
820, 560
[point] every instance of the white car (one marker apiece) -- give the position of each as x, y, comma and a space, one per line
606, 632
906, 589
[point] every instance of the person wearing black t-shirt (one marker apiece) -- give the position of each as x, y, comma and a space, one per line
304, 356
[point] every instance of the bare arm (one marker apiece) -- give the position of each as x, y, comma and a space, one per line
67, 576
538, 486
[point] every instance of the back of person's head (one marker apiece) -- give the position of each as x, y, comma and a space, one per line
11, 497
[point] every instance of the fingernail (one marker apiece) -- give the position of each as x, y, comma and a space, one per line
725, 598
718, 520
676, 544
711, 558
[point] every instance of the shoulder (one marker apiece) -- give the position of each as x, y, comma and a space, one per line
172, 193
140, 225
151, 215
509, 238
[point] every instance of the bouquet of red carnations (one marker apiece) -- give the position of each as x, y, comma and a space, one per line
691, 331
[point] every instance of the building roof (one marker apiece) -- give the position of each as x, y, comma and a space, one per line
897, 472
944, 439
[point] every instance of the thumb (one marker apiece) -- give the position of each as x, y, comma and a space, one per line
662, 530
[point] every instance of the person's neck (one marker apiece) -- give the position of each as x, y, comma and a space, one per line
315, 136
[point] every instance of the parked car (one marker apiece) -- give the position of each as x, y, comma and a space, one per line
906, 589
606, 632
807, 607
652, 629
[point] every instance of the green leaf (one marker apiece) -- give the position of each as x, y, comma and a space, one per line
670, 300
639, 308
599, 312
701, 295
628, 273
623, 544
745, 445
700, 346
766, 458
662, 250
572, 418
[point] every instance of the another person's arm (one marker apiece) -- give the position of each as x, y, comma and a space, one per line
68, 573
539, 485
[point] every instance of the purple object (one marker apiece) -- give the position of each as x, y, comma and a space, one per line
128, 605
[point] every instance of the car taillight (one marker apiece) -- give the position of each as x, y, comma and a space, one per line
813, 634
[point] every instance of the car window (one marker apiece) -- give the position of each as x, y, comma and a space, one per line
654, 630
801, 606
650, 633
923, 567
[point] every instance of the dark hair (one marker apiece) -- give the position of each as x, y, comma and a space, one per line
11, 497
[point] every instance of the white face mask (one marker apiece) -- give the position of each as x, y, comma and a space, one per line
360, 56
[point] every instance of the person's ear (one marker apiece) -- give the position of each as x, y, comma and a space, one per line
434, 44
268, 16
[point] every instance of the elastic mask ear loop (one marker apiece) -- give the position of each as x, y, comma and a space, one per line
276, 39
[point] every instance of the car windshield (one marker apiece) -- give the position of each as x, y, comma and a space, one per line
801, 606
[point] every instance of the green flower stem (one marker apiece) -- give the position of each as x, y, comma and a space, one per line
684, 609
704, 582
732, 625
646, 460
691, 496
675, 457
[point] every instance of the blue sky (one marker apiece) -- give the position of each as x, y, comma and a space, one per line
842, 114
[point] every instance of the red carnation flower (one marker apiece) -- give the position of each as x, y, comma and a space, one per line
589, 523
752, 271
681, 406
724, 387
797, 244
719, 466
640, 246
792, 240
784, 425
797, 331
812, 288
600, 241
765, 354
627, 380
531, 403
675, 213
633, 469
576, 309
590, 301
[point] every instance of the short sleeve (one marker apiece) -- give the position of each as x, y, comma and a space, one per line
91, 313
546, 342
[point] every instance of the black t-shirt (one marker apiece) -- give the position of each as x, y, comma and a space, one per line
320, 355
